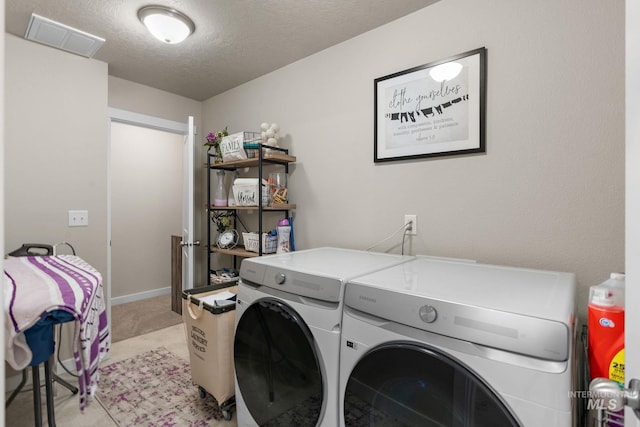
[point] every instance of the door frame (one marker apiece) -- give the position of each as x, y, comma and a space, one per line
116, 115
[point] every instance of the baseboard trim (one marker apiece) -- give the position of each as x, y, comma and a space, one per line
140, 296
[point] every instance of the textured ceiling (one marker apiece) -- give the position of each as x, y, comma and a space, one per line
235, 40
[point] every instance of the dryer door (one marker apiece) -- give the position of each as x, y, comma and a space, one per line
277, 368
409, 385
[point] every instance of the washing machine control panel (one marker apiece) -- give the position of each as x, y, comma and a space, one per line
281, 278
428, 313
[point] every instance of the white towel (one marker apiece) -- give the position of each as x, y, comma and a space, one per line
34, 286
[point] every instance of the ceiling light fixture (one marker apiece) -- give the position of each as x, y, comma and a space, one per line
166, 24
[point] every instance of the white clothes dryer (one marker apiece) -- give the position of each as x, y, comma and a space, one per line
444, 343
287, 337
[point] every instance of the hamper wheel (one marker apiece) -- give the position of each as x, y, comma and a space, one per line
227, 408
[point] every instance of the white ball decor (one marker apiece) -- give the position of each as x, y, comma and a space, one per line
270, 134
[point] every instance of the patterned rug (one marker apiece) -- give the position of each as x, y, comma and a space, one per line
154, 389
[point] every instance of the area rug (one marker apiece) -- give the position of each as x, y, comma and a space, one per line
154, 389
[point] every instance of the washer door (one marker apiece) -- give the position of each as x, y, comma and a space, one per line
277, 369
411, 385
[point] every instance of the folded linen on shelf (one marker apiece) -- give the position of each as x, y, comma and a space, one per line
36, 285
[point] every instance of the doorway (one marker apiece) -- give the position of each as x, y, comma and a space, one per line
146, 209
129, 156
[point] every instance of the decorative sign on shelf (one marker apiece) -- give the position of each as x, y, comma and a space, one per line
232, 147
436, 109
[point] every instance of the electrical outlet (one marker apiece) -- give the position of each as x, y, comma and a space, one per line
413, 219
78, 218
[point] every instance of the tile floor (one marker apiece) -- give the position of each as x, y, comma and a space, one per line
20, 412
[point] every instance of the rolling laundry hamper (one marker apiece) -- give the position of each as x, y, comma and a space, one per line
209, 327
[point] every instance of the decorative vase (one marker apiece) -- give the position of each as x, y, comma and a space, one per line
220, 195
217, 155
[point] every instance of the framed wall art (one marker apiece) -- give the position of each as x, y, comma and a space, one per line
436, 109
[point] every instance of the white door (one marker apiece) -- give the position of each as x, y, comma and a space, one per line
632, 200
187, 209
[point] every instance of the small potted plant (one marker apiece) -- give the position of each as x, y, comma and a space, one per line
213, 140
222, 220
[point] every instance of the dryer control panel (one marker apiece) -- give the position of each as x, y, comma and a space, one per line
541, 338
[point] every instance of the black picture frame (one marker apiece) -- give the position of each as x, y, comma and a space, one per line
422, 113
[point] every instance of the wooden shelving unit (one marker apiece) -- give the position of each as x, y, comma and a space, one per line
266, 155
274, 208
238, 251
276, 158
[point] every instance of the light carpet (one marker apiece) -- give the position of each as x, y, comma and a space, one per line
154, 389
141, 317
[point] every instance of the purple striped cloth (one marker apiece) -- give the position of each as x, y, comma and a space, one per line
34, 286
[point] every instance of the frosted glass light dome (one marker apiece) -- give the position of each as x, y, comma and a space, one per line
167, 25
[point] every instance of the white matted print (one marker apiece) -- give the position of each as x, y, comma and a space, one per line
436, 109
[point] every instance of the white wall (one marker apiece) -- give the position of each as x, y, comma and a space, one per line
56, 145
56, 148
146, 207
632, 313
56, 135
548, 193
2, 175
138, 98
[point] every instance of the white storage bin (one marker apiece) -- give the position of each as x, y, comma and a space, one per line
245, 192
269, 243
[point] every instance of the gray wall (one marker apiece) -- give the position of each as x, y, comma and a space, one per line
548, 193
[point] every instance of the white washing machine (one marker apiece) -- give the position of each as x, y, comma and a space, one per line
287, 338
444, 343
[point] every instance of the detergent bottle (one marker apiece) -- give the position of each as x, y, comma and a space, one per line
606, 329
284, 233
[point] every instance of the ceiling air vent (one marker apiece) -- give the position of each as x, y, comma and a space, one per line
55, 34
